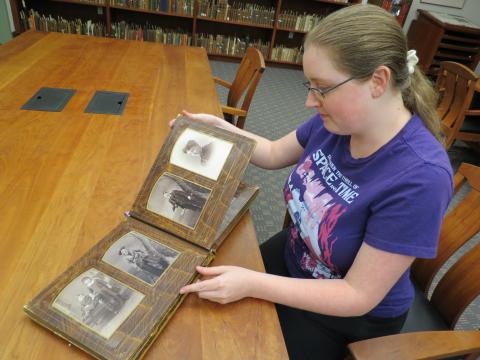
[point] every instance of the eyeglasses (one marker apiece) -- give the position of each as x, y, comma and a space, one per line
322, 92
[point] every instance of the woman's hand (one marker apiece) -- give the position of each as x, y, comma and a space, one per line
223, 284
204, 118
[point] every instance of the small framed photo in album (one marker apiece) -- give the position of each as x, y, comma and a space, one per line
178, 199
200, 153
97, 301
140, 256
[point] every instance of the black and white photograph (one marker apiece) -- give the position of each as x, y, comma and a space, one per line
178, 199
98, 302
140, 256
200, 153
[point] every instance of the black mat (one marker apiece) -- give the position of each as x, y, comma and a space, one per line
49, 99
107, 102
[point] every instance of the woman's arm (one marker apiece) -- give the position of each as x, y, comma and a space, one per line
268, 154
371, 276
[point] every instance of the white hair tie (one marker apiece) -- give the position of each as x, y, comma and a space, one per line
412, 60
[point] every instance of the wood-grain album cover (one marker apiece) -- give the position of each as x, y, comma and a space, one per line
115, 300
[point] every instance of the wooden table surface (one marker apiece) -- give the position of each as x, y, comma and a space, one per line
66, 178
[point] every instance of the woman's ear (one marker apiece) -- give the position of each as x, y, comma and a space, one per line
379, 81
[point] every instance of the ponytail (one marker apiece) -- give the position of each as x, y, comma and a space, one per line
420, 97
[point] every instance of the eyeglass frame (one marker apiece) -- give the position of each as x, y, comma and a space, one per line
323, 92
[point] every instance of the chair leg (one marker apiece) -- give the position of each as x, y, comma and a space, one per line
473, 356
240, 122
474, 146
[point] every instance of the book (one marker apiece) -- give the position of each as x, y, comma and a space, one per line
115, 300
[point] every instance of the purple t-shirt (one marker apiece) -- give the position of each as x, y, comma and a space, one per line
394, 200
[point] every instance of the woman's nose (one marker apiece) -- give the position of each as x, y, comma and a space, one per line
312, 101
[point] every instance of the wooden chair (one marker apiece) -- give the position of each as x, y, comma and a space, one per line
428, 331
245, 82
456, 84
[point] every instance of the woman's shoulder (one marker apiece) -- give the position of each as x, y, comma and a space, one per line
424, 168
424, 147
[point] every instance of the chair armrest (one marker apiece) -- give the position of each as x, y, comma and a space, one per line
222, 82
417, 345
233, 111
473, 112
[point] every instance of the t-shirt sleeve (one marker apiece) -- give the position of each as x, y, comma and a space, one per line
407, 219
304, 131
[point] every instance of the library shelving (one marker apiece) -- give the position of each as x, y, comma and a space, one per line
224, 27
441, 37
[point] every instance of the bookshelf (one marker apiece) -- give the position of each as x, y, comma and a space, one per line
441, 37
224, 27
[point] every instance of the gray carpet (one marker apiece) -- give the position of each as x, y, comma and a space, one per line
278, 108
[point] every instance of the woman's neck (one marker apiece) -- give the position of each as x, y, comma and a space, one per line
382, 126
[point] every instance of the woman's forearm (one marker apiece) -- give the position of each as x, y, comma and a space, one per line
263, 156
271, 154
325, 296
268, 154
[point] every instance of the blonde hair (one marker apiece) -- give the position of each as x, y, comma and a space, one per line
360, 38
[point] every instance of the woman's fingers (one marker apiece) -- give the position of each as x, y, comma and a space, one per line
205, 285
223, 284
211, 271
172, 122
204, 118
187, 114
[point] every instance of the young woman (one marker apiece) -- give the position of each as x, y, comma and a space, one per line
367, 196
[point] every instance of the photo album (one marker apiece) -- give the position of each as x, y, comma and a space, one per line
115, 300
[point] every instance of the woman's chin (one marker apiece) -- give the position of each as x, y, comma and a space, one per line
332, 127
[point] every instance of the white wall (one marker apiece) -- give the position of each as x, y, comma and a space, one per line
6, 21
470, 11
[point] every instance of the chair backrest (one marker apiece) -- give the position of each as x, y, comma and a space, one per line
461, 284
456, 84
246, 80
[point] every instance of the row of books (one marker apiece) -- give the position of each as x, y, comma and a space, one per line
221, 10
119, 30
35, 21
238, 12
295, 21
96, 2
180, 7
283, 53
127, 31
213, 43
230, 45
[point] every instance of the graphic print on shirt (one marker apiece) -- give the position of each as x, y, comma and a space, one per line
315, 212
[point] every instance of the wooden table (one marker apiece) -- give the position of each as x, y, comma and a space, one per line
66, 178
